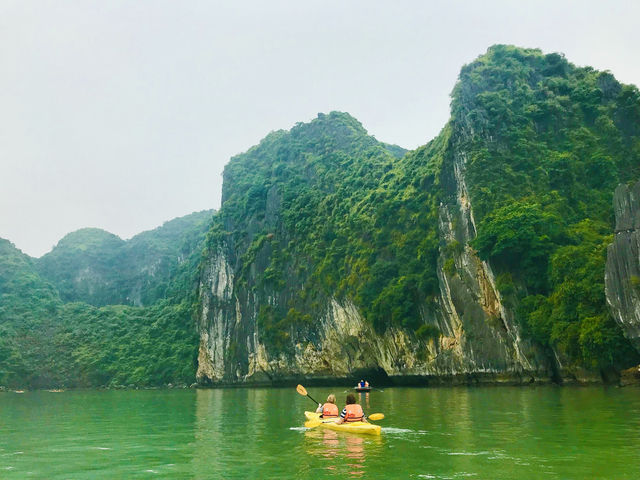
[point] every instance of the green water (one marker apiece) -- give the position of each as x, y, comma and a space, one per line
477, 433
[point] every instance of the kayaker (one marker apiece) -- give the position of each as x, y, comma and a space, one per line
361, 384
329, 409
352, 411
366, 384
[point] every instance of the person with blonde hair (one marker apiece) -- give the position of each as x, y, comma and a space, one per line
329, 409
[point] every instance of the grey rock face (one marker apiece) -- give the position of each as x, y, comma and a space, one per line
479, 338
622, 274
470, 302
626, 203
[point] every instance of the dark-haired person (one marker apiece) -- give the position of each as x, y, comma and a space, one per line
329, 409
352, 412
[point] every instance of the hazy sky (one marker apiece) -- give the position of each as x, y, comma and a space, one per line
122, 115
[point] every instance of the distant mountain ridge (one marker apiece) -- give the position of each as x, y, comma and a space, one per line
51, 335
94, 266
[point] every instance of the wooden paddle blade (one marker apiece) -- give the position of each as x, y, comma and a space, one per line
301, 390
376, 416
312, 423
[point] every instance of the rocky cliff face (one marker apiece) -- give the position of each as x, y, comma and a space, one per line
622, 276
472, 309
478, 339
477, 257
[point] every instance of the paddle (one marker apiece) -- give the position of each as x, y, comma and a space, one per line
376, 416
315, 423
303, 391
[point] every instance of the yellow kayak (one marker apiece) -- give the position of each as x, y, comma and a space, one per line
353, 427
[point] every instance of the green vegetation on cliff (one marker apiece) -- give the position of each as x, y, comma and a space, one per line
326, 210
547, 143
323, 210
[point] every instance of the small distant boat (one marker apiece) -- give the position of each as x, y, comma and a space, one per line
55, 390
18, 391
358, 388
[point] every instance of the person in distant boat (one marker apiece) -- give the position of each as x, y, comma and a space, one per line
329, 409
352, 411
366, 384
361, 384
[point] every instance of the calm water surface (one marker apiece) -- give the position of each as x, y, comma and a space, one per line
447, 433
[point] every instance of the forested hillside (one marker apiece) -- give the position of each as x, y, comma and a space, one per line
547, 144
302, 200
99, 268
52, 337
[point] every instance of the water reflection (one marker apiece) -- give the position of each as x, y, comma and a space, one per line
355, 454
365, 404
330, 441
342, 453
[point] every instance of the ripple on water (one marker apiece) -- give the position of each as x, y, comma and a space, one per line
469, 453
439, 477
397, 430
447, 477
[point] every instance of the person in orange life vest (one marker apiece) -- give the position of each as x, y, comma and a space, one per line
352, 411
329, 409
366, 384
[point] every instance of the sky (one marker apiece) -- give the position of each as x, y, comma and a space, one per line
121, 115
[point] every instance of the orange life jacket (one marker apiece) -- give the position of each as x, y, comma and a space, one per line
330, 410
354, 413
